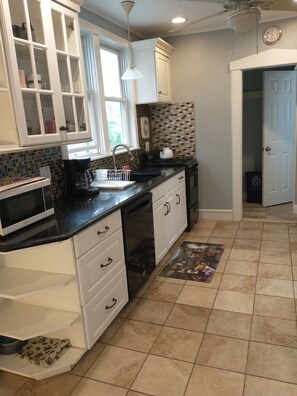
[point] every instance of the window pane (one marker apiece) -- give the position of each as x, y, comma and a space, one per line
115, 123
111, 73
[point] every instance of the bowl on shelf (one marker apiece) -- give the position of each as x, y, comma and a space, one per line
10, 345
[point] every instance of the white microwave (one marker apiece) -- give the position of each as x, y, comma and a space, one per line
24, 203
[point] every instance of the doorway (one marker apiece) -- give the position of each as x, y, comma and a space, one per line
253, 102
267, 59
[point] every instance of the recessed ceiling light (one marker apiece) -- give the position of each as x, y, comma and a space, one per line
178, 20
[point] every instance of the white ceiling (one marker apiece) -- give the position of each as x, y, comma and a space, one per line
151, 18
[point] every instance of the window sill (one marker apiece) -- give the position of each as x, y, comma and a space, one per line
102, 156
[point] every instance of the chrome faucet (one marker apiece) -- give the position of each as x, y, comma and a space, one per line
113, 153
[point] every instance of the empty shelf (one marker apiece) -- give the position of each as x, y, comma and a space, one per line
17, 283
24, 321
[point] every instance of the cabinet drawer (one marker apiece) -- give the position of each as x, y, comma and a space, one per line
179, 178
105, 306
162, 189
96, 233
100, 264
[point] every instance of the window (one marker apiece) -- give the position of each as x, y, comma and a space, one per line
115, 103
110, 100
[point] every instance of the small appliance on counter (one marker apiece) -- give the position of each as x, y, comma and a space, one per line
24, 201
165, 153
79, 177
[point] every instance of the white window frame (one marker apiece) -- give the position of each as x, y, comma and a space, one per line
98, 38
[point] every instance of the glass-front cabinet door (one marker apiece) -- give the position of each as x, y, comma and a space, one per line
8, 134
46, 71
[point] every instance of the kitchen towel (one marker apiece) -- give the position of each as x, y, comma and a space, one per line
44, 351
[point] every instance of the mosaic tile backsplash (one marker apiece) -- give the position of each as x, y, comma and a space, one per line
174, 126
170, 125
27, 164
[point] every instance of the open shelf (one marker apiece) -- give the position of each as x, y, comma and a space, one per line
16, 365
18, 283
25, 321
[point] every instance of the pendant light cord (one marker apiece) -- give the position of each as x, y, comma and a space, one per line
131, 58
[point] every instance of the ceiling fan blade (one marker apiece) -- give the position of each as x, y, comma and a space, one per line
197, 21
281, 5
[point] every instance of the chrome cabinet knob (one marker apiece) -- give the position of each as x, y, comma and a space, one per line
267, 148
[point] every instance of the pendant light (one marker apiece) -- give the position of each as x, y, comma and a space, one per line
132, 73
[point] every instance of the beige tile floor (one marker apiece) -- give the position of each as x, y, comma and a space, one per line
283, 212
233, 337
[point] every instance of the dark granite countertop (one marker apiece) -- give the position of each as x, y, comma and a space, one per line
75, 214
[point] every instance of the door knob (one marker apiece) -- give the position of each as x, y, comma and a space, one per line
267, 148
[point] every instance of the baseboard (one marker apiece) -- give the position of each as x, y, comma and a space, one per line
215, 214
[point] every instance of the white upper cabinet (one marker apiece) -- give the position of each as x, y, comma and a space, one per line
43, 50
152, 59
8, 133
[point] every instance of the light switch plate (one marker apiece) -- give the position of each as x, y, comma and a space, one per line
145, 127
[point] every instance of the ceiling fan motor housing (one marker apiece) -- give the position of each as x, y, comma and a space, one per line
242, 21
267, 4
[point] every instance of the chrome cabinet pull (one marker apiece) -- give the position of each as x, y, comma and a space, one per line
267, 148
114, 300
165, 205
103, 232
178, 196
109, 261
169, 207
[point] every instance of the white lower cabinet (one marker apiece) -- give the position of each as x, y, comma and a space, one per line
39, 296
102, 273
95, 267
180, 202
170, 216
100, 311
70, 289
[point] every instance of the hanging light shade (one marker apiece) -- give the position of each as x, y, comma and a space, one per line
132, 73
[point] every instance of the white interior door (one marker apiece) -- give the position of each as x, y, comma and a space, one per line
279, 119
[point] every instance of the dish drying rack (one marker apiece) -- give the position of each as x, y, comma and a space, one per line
112, 179
106, 175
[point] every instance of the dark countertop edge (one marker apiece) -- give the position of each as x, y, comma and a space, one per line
6, 247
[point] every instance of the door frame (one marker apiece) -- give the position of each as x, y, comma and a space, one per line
270, 58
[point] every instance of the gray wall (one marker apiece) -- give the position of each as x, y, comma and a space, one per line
201, 74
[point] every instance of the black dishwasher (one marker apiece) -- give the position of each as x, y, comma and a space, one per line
138, 232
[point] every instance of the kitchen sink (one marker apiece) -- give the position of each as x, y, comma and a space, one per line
143, 177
